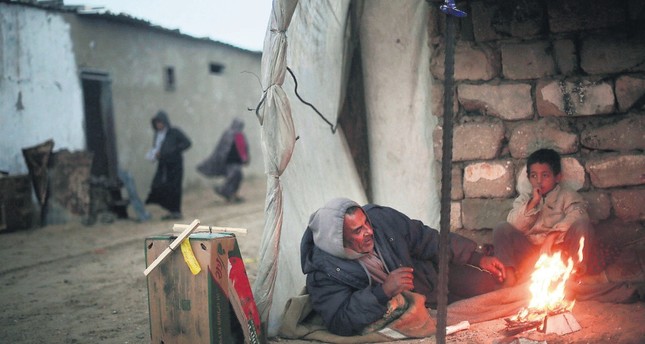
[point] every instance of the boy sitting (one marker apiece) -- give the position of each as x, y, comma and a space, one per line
548, 219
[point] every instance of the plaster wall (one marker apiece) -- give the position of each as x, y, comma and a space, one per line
40, 95
202, 103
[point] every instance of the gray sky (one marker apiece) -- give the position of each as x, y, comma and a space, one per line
241, 23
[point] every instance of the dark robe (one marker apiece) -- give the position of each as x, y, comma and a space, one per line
166, 185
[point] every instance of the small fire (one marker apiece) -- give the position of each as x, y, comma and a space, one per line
547, 287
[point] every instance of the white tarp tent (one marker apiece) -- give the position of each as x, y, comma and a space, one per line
311, 37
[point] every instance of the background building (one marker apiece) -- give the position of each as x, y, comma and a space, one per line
93, 81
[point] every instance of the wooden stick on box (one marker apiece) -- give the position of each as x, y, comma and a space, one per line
172, 246
210, 229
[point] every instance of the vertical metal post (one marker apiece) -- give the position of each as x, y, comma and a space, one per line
446, 180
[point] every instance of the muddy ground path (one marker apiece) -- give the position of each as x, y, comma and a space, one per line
85, 284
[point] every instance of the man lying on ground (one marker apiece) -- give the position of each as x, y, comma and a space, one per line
358, 258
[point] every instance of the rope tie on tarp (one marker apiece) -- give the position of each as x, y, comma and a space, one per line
295, 90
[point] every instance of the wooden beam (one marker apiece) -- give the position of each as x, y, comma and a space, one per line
237, 231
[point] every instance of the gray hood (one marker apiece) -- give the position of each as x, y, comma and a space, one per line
237, 125
326, 225
161, 116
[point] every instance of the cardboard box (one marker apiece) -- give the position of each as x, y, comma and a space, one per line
187, 308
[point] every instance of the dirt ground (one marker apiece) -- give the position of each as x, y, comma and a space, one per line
78, 284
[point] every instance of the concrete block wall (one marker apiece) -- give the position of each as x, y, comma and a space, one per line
568, 75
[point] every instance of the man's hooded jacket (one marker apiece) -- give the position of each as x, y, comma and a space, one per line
166, 184
175, 142
342, 291
232, 148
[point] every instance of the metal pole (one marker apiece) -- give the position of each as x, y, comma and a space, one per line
446, 180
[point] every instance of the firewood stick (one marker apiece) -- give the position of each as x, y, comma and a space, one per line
173, 245
635, 241
237, 231
464, 325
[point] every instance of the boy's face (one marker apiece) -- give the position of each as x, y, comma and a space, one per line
357, 232
542, 178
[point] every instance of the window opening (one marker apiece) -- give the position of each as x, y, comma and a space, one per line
216, 68
169, 77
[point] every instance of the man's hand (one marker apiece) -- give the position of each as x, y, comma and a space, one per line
494, 266
398, 281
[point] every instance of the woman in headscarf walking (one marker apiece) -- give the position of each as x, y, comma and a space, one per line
227, 159
168, 145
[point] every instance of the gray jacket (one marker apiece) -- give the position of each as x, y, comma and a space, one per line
557, 211
341, 289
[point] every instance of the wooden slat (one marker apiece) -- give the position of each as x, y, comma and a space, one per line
211, 229
172, 246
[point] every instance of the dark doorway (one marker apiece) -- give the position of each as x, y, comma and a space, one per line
101, 141
99, 124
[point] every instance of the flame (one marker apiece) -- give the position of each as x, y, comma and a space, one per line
548, 282
581, 245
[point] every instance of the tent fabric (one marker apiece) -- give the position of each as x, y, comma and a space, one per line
396, 62
303, 174
320, 166
278, 139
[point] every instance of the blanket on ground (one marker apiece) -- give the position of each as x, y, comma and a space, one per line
407, 316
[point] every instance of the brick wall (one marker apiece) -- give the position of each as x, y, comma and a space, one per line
568, 75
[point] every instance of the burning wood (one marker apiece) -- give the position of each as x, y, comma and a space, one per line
548, 307
558, 323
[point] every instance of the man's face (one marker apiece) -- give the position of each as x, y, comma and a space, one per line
159, 125
542, 178
357, 232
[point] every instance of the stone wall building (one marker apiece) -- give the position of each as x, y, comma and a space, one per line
567, 75
91, 81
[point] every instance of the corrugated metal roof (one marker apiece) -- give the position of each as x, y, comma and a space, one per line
102, 13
